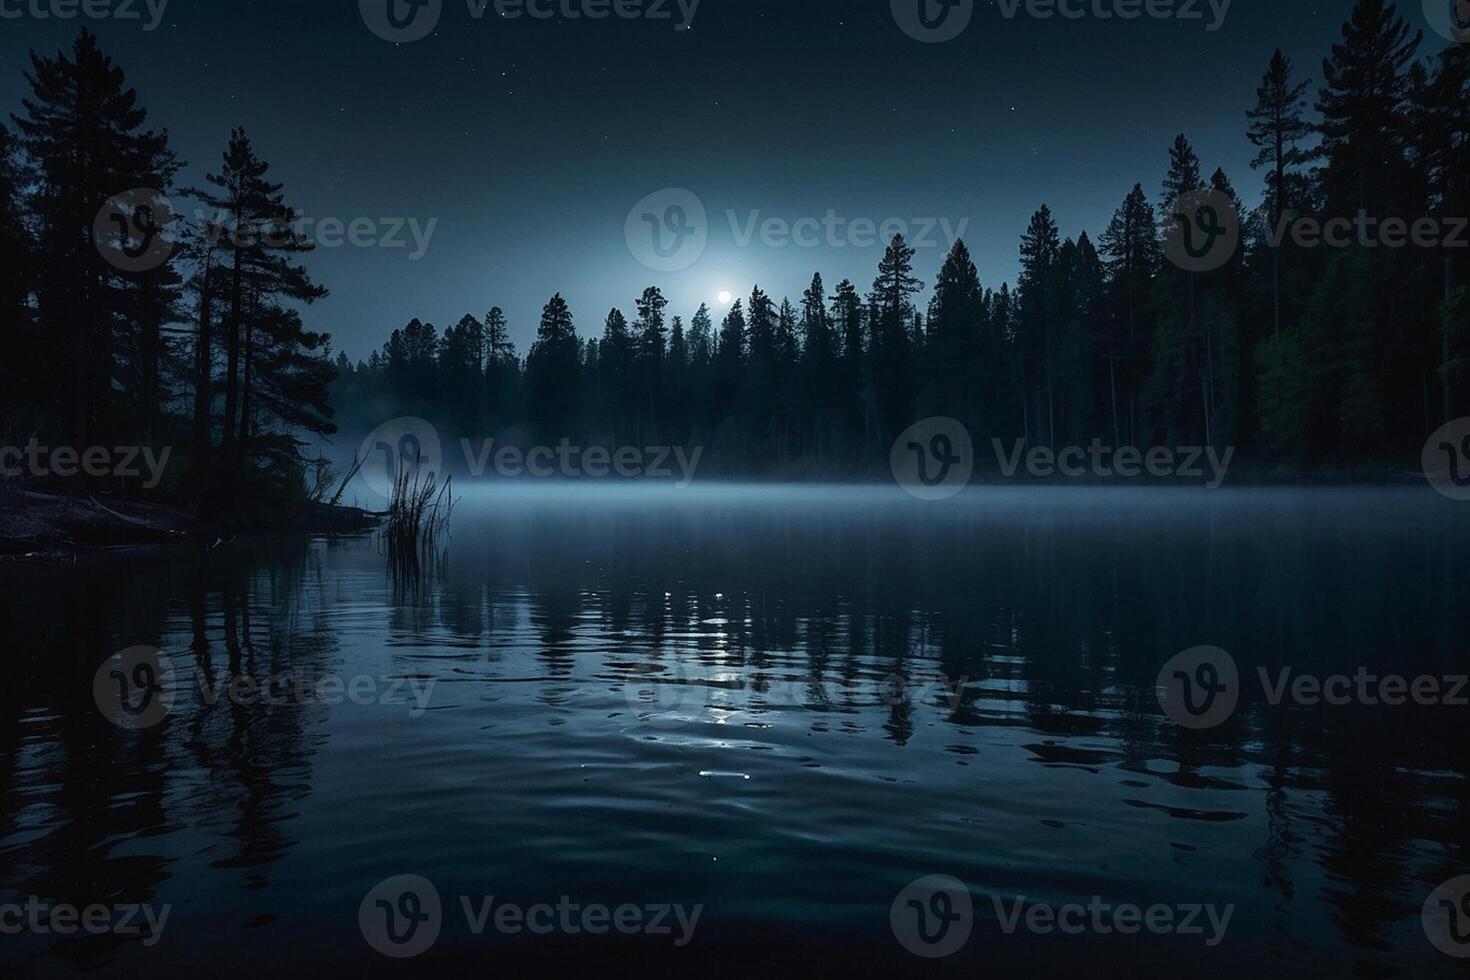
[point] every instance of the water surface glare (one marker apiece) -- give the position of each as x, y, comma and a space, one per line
782, 704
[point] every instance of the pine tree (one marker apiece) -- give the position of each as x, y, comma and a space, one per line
761, 320
552, 372
730, 358
1183, 176
82, 132
788, 347
1004, 333
785, 402
701, 368
1440, 130
1277, 128
461, 353
502, 368
261, 236
618, 367
848, 319
896, 284
701, 339
1087, 383
759, 389
676, 381
956, 314
1039, 297
1176, 385
1363, 106
652, 349
1360, 102
891, 355
678, 346
652, 335
820, 372
1131, 248
1220, 321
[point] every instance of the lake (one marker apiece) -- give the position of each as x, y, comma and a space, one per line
748, 726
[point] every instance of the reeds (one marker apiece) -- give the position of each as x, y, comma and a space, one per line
417, 526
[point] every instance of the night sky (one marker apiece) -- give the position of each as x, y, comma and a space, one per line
531, 140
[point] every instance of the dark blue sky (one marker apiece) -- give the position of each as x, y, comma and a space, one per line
529, 141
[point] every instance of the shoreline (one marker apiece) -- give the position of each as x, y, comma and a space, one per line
43, 527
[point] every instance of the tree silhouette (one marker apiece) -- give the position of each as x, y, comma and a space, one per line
1332, 356
82, 134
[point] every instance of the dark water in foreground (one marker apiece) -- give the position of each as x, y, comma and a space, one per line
783, 705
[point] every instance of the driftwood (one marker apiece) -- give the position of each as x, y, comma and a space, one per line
356, 466
134, 521
41, 525
32, 520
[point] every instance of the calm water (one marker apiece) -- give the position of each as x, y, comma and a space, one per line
784, 705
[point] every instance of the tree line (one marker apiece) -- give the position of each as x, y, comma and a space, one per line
1299, 356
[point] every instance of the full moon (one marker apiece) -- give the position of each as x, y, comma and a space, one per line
725, 297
